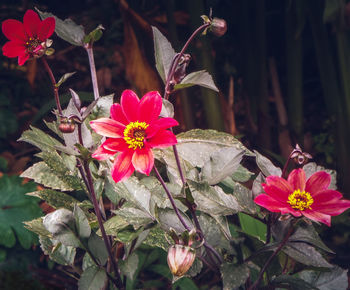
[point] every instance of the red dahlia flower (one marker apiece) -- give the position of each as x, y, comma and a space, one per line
27, 39
133, 130
300, 197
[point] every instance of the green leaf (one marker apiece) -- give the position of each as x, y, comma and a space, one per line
135, 217
81, 223
243, 195
201, 78
221, 164
15, 208
305, 254
242, 174
163, 52
59, 253
94, 35
336, 278
213, 200
61, 224
266, 166
56, 199
39, 139
68, 30
205, 143
185, 284
63, 78
98, 248
252, 227
129, 267
93, 278
37, 227
233, 276
293, 282
168, 219
156, 238
42, 174
115, 224
307, 233
167, 109
8, 122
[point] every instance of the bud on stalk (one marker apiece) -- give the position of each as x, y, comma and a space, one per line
218, 27
180, 259
66, 125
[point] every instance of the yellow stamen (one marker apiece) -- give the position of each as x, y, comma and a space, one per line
300, 200
135, 133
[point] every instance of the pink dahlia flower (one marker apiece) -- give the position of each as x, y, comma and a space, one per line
27, 39
133, 130
300, 197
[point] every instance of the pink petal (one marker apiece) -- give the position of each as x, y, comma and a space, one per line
130, 103
162, 139
23, 58
143, 160
318, 217
47, 28
297, 179
318, 181
276, 192
115, 145
150, 107
335, 207
31, 22
13, 49
280, 183
160, 124
326, 196
108, 127
14, 30
122, 166
102, 153
117, 114
271, 204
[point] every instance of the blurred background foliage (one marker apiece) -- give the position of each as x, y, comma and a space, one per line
283, 71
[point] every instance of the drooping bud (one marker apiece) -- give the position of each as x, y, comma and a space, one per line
299, 156
180, 259
218, 26
66, 125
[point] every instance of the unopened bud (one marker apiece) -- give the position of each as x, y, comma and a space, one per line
66, 126
218, 26
180, 259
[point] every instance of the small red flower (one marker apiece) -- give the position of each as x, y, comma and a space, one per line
133, 130
300, 197
27, 39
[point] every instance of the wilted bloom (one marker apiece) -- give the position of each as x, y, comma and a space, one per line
133, 130
27, 39
300, 197
180, 259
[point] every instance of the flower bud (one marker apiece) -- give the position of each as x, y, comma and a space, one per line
218, 26
180, 259
66, 126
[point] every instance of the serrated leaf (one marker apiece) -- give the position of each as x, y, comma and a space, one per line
15, 208
42, 174
56, 199
39, 139
221, 164
213, 200
37, 227
68, 30
81, 223
266, 166
93, 278
98, 248
205, 143
201, 78
156, 238
336, 279
59, 253
163, 52
115, 224
233, 276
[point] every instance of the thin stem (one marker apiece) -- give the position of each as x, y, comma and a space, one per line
118, 281
90, 53
176, 154
172, 201
55, 88
284, 171
178, 57
283, 243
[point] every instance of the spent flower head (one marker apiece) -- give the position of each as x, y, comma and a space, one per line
28, 39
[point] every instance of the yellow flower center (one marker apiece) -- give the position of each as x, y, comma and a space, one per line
32, 43
300, 200
135, 133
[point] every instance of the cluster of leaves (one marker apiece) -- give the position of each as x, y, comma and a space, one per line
140, 213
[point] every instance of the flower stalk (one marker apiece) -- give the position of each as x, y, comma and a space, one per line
89, 50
